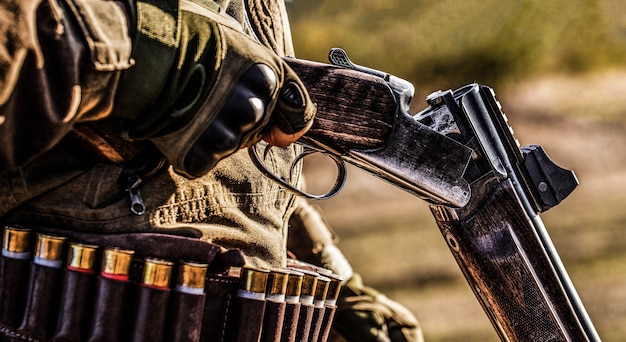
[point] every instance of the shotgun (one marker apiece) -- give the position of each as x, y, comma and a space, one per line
484, 190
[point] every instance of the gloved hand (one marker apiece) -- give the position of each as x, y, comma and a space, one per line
364, 314
221, 90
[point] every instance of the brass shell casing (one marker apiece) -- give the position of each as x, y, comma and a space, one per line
116, 261
16, 240
191, 274
253, 280
277, 282
309, 283
334, 287
81, 257
157, 273
322, 288
49, 247
294, 283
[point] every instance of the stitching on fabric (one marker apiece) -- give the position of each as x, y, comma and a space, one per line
225, 320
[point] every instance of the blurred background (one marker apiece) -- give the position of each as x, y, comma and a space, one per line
559, 70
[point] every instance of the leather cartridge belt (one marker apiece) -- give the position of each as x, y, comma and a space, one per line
68, 286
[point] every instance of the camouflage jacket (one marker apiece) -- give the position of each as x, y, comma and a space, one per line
60, 66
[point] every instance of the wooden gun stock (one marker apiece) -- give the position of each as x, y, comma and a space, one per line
507, 268
355, 111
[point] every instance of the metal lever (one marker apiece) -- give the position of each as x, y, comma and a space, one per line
339, 57
552, 182
339, 181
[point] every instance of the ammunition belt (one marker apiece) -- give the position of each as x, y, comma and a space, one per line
69, 286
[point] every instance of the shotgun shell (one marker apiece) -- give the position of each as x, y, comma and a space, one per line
49, 250
81, 258
333, 289
276, 285
252, 283
321, 291
16, 243
157, 273
190, 277
309, 284
294, 286
116, 263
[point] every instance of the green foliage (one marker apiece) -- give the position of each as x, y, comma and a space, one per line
451, 42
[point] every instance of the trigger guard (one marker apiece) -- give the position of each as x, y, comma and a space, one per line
339, 182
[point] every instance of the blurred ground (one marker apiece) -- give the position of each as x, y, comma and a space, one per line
393, 242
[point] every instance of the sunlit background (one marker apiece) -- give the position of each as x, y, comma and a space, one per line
559, 70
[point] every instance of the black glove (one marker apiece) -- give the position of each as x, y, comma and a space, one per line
219, 90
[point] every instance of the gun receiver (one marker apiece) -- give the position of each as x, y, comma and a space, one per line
364, 120
460, 155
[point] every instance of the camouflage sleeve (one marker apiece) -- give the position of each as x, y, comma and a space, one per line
59, 64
